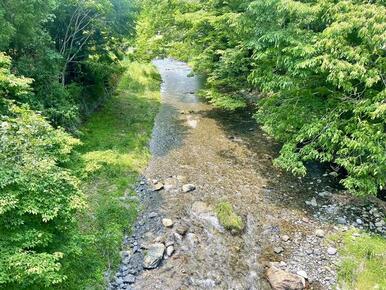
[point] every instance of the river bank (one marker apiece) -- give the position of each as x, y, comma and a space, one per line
113, 153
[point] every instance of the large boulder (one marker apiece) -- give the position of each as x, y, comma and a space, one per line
282, 280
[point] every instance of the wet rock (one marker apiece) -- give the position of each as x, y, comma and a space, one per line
188, 188
154, 255
278, 250
282, 280
319, 233
205, 213
341, 220
167, 223
331, 251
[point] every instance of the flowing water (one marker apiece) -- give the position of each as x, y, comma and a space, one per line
228, 158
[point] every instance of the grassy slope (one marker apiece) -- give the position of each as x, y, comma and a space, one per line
113, 154
363, 264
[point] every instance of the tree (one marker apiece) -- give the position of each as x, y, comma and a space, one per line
39, 197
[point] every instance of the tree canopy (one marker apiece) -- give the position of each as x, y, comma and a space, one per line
314, 70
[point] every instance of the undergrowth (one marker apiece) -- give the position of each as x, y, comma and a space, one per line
363, 264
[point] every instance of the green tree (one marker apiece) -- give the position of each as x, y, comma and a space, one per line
39, 197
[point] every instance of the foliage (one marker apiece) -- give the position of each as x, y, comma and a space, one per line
228, 218
39, 197
114, 152
57, 42
363, 264
319, 66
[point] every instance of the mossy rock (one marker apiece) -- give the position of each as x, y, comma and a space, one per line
228, 218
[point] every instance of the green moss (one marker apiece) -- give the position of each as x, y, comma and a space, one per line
228, 218
363, 264
114, 153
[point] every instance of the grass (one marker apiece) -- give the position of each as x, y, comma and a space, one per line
228, 218
363, 265
113, 155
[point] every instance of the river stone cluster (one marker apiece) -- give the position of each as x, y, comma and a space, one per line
143, 256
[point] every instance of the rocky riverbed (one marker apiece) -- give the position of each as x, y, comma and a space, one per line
201, 157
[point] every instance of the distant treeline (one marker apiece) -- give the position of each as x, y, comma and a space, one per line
316, 70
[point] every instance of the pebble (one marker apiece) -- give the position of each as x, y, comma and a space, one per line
285, 238
319, 233
283, 264
341, 220
302, 273
167, 223
130, 279
158, 186
153, 215
169, 250
278, 250
182, 229
188, 188
312, 202
331, 251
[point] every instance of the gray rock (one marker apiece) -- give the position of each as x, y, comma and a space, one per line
312, 202
154, 255
379, 224
130, 279
341, 220
324, 194
359, 221
188, 187
331, 251
278, 250
153, 215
